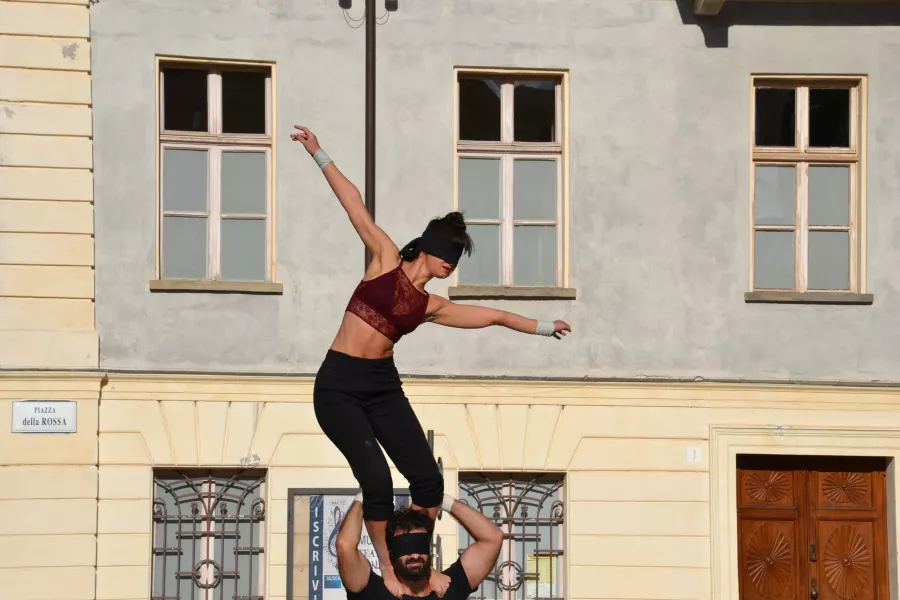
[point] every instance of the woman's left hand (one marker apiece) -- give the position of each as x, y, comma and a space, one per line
560, 329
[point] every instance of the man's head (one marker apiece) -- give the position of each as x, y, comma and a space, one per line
409, 544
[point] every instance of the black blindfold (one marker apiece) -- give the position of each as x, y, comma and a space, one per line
409, 543
437, 244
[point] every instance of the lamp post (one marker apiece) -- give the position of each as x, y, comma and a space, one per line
390, 6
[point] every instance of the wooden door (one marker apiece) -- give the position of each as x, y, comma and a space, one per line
812, 527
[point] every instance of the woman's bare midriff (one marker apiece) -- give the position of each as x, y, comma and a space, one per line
358, 338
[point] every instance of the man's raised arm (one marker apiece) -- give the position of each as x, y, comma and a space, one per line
477, 560
353, 567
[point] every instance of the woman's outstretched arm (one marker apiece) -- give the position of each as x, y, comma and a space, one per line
464, 316
376, 240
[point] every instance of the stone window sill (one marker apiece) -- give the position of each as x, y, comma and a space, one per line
500, 292
809, 297
219, 287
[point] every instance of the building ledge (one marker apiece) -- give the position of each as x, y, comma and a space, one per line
809, 298
714, 7
501, 292
219, 287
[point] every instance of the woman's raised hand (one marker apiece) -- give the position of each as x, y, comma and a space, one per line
307, 138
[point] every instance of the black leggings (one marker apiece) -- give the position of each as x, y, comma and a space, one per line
359, 403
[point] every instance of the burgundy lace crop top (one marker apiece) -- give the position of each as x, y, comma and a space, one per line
390, 303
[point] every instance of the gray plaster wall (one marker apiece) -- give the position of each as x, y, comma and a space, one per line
660, 179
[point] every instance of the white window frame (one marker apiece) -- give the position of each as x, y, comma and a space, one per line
801, 157
215, 142
508, 150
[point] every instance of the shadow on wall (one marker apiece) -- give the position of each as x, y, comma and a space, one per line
853, 14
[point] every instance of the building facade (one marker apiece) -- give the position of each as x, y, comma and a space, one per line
703, 190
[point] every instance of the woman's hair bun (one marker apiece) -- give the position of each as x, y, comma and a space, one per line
456, 219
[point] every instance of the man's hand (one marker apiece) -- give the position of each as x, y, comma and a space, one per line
307, 138
440, 583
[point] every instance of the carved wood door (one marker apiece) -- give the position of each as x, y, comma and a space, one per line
812, 527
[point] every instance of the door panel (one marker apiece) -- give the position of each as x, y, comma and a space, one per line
769, 559
844, 490
769, 489
846, 566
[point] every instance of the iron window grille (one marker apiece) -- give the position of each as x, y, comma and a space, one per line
530, 512
208, 535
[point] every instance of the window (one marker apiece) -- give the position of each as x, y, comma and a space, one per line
529, 510
511, 176
215, 156
807, 169
208, 535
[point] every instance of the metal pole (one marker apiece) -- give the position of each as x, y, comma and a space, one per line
370, 112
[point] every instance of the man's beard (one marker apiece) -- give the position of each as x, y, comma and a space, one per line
417, 571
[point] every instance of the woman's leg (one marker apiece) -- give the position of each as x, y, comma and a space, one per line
400, 434
345, 423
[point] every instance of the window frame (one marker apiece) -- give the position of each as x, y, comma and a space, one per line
801, 156
508, 151
209, 530
216, 143
506, 484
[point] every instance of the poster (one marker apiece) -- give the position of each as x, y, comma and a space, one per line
545, 586
326, 513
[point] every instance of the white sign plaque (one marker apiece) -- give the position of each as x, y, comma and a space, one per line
694, 454
45, 416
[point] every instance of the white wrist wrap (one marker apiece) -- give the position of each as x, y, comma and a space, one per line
447, 504
545, 328
321, 158
358, 498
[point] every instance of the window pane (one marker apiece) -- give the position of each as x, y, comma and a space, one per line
184, 247
244, 182
243, 102
829, 260
479, 109
184, 99
829, 195
479, 187
773, 260
244, 249
774, 194
535, 255
829, 118
775, 114
185, 179
483, 267
535, 189
534, 112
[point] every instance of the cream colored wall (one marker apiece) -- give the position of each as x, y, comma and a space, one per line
641, 520
48, 493
46, 186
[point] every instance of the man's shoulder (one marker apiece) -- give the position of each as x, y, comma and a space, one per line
459, 580
374, 589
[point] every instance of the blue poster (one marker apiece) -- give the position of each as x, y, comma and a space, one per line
316, 530
326, 514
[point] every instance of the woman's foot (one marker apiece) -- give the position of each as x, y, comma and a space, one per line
391, 582
440, 583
